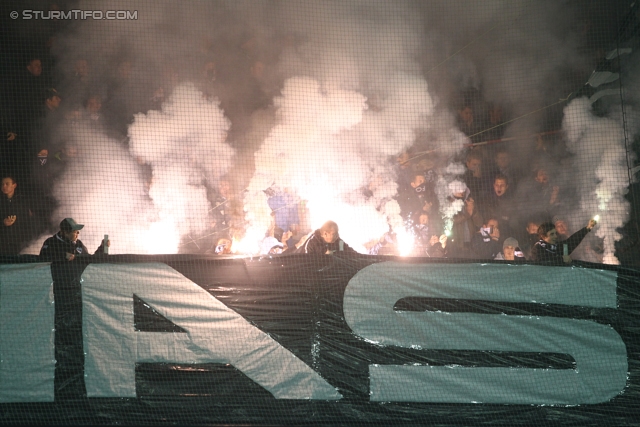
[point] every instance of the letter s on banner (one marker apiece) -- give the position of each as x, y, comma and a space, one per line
215, 334
599, 352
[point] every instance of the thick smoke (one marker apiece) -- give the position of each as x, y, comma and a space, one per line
519, 54
327, 161
304, 152
446, 186
600, 143
147, 211
102, 187
366, 101
315, 98
599, 146
184, 144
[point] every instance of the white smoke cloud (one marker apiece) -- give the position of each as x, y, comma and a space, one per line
102, 188
598, 144
352, 84
184, 144
350, 59
327, 146
307, 153
104, 185
190, 130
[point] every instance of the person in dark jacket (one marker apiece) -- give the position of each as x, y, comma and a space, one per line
486, 243
500, 204
427, 241
476, 179
418, 198
16, 217
61, 250
437, 247
326, 240
529, 235
549, 250
65, 243
465, 224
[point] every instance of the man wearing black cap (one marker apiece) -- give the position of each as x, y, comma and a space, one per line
65, 243
67, 291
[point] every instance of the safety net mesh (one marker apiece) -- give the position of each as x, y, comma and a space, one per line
306, 212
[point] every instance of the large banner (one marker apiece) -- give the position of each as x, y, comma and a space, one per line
321, 340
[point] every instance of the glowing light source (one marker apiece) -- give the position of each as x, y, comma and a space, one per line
405, 242
162, 237
249, 245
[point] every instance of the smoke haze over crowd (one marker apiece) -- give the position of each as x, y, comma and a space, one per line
319, 99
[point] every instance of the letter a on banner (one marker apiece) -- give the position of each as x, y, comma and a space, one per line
599, 352
215, 334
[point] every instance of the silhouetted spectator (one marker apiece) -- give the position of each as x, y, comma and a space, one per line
529, 236
474, 177
549, 249
418, 198
505, 167
500, 204
387, 245
537, 196
223, 246
465, 225
65, 245
493, 128
274, 244
29, 93
16, 217
586, 250
486, 243
422, 230
76, 86
467, 121
52, 99
437, 247
404, 170
326, 240
48, 120
93, 107
44, 172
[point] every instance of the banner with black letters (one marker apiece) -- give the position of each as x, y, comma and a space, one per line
321, 340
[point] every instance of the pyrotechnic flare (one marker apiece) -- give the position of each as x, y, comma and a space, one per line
356, 94
599, 145
184, 144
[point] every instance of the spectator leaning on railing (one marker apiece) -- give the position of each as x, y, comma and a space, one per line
65, 245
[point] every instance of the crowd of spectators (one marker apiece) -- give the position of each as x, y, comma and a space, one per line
512, 188
507, 196
49, 90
